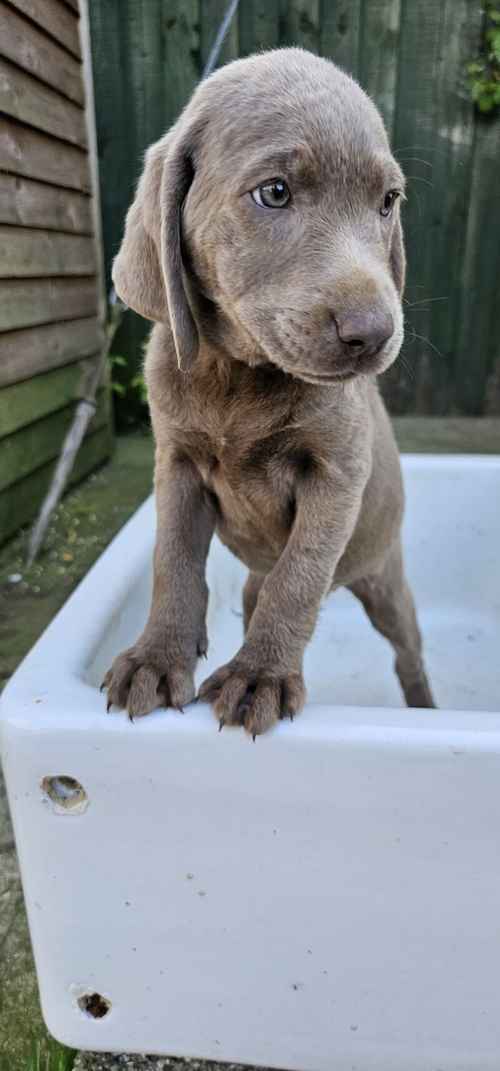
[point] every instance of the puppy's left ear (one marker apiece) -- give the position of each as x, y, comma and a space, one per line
398, 257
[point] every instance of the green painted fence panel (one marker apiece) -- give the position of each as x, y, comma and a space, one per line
477, 358
259, 26
378, 54
412, 59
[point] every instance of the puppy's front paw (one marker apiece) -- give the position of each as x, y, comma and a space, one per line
145, 676
252, 697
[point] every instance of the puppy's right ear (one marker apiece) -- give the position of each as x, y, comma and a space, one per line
137, 275
148, 272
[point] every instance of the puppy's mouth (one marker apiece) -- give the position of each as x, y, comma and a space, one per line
345, 369
325, 377
368, 365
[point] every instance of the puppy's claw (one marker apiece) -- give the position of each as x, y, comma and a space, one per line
131, 718
254, 737
222, 722
108, 706
102, 686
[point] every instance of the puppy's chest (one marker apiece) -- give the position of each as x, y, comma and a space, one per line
232, 455
246, 462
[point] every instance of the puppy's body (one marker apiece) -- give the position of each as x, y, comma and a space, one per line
254, 435
265, 241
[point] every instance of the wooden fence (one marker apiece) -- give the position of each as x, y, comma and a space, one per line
411, 57
49, 330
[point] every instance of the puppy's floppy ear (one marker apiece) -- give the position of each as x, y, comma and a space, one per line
398, 257
178, 174
136, 270
148, 272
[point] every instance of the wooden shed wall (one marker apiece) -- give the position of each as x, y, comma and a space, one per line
50, 332
411, 56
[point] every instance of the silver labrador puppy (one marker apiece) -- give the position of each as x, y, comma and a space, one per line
265, 242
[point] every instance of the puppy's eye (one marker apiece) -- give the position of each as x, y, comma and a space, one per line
273, 194
389, 202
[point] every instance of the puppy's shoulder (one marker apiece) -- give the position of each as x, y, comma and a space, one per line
165, 383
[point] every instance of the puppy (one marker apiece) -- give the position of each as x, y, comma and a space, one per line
265, 242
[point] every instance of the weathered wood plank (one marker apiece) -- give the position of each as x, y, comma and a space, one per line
452, 176
259, 25
37, 443
415, 119
22, 43
34, 155
180, 30
34, 350
300, 24
34, 204
29, 101
433, 142
340, 33
26, 252
20, 502
378, 54
25, 304
23, 403
478, 342
118, 137
55, 19
211, 15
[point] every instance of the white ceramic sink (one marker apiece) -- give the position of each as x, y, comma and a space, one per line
326, 899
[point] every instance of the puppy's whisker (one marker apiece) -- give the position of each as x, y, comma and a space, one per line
420, 178
416, 160
428, 342
421, 301
407, 367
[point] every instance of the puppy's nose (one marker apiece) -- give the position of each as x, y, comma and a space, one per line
365, 332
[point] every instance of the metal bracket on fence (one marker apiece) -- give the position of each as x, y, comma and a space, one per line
231, 10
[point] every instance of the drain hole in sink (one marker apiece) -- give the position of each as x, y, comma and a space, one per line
94, 1005
66, 793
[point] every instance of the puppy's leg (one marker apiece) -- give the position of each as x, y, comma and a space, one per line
388, 602
158, 669
264, 682
251, 590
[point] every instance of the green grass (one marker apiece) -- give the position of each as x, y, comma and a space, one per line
50, 1056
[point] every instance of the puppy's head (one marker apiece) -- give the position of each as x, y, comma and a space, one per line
268, 218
